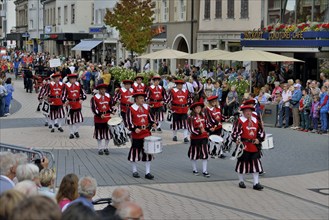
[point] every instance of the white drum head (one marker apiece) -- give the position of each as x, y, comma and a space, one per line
153, 138
114, 121
227, 126
215, 139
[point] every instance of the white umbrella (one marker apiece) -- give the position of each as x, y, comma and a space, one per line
206, 55
257, 55
164, 54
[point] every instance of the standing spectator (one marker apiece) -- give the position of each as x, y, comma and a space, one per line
323, 79
285, 110
16, 67
68, 190
86, 80
10, 89
231, 101
304, 109
47, 182
87, 190
294, 101
324, 108
315, 113
3, 94
276, 88
261, 98
198, 88
28, 77
147, 66
218, 91
65, 71
208, 87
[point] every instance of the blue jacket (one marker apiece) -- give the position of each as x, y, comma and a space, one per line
296, 96
324, 108
219, 93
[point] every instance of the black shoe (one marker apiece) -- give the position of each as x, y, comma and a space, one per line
258, 187
46, 124
50, 127
152, 130
262, 173
222, 156
149, 176
56, 125
71, 136
107, 152
100, 152
52, 130
159, 130
136, 175
60, 129
206, 174
186, 140
77, 134
213, 156
242, 185
174, 138
196, 173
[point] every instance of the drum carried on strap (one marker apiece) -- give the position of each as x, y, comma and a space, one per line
227, 142
152, 145
268, 142
45, 108
215, 140
118, 131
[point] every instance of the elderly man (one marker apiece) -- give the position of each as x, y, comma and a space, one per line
119, 196
130, 210
87, 190
8, 166
28, 171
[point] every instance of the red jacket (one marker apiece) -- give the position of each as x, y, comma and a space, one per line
156, 95
74, 93
214, 116
55, 93
139, 117
195, 123
179, 100
248, 129
139, 87
101, 105
124, 96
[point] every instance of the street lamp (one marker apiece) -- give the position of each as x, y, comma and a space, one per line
104, 29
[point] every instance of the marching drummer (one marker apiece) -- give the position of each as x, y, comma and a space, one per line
179, 99
156, 95
101, 106
55, 95
139, 121
214, 116
198, 126
138, 85
41, 97
249, 131
74, 96
124, 95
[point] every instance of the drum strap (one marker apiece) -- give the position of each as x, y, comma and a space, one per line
248, 140
177, 105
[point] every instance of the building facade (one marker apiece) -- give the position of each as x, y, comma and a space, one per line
35, 25
222, 21
7, 22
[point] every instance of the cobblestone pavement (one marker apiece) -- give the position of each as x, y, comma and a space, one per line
296, 182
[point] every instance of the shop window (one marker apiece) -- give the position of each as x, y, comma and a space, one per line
205, 47
72, 13
59, 15
65, 14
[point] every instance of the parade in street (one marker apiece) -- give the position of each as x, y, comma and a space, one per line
182, 128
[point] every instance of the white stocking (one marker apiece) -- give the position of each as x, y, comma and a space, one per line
194, 165
71, 127
185, 133
255, 177
174, 133
147, 167
134, 166
241, 177
159, 124
204, 166
107, 144
99, 143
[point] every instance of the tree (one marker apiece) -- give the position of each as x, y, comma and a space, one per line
133, 19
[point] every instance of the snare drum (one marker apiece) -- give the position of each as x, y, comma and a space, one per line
215, 141
268, 142
118, 131
152, 145
227, 126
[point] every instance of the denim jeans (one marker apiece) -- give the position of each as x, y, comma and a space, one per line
2, 106
315, 123
305, 120
324, 121
286, 111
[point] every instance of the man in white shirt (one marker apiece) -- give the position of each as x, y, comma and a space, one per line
286, 96
8, 165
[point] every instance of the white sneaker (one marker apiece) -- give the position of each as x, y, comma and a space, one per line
7, 114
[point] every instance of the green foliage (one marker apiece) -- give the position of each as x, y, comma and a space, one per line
242, 86
120, 74
133, 19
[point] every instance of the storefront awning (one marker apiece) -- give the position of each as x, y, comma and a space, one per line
87, 45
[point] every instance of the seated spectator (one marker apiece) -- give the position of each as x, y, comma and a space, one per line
47, 181
8, 167
87, 190
37, 207
130, 210
27, 187
10, 89
119, 196
28, 171
79, 211
68, 190
8, 201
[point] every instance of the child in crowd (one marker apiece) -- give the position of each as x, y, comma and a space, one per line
304, 110
324, 107
314, 114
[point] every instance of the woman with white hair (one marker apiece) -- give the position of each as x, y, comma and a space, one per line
277, 89
28, 172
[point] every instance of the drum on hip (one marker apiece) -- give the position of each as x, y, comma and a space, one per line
152, 145
118, 131
268, 142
